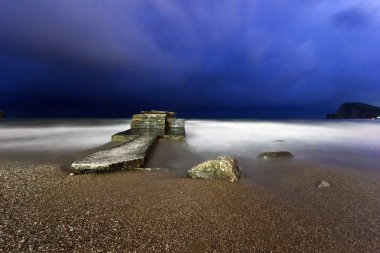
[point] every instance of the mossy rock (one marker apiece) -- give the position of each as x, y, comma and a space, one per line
224, 167
276, 155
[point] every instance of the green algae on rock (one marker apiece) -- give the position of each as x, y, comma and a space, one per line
223, 167
276, 155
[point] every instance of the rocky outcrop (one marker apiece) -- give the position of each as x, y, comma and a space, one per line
276, 155
224, 167
355, 111
2, 114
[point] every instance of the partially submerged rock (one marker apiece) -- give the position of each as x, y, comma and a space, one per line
276, 155
224, 167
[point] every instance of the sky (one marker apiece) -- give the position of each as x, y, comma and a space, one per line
201, 58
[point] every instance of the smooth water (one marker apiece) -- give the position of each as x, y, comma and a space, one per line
57, 135
354, 143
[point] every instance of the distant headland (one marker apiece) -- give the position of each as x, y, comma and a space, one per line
2, 114
356, 111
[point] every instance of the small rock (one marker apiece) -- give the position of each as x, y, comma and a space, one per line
324, 184
275, 155
223, 167
71, 174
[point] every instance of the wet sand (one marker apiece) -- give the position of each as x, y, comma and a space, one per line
276, 208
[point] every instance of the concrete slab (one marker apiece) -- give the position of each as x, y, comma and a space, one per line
127, 156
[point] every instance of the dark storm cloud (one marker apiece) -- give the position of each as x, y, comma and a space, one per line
80, 57
352, 18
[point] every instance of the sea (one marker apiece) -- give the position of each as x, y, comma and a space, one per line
353, 144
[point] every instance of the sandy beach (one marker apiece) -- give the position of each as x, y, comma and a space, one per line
44, 209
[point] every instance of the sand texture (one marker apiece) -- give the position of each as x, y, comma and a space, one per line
43, 209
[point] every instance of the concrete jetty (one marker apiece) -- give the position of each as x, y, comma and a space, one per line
127, 156
146, 128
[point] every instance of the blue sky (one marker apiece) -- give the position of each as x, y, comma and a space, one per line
224, 58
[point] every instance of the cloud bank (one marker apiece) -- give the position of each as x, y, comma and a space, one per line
80, 57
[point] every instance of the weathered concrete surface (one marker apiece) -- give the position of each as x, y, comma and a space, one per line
159, 112
128, 156
175, 134
133, 133
148, 121
224, 167
176, 123
276, 155
123, 137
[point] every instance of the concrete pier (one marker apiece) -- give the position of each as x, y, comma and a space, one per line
127, 156
146, 128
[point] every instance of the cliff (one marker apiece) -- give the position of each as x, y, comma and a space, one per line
356, 111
